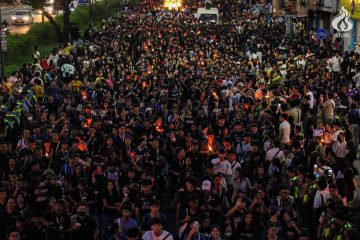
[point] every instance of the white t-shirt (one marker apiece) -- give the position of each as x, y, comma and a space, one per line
312, 99
334, 139
318, 202
319, 132
336, 64
149, 235
286, 129
275, 153
223, 167
340, 149
234, 165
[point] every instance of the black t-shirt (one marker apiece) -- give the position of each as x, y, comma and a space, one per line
197, 215
143, 200
111, 199
147, 221
61, 224
244, 233
183, 198
213, 200
86, 231
6, 221
289, 233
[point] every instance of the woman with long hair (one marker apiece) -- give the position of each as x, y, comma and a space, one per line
290, 229
247, 229
111, 205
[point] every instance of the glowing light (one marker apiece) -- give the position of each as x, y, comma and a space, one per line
83, 94
210, 148
172, 4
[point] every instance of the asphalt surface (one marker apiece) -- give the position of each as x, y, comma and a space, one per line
8, 10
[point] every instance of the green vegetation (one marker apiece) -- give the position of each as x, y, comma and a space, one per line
42, 34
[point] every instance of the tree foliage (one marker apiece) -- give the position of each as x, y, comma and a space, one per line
61, 33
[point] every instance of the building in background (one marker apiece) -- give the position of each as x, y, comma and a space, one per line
295, 12
321, 14
352, 42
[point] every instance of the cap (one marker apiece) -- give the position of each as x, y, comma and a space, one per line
222, 150
156, 221
209, 165
49, 172
206, 185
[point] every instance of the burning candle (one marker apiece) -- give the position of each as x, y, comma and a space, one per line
83, 94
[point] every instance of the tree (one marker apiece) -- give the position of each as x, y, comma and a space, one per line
62, 34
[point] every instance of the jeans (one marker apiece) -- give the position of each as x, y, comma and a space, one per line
106, 221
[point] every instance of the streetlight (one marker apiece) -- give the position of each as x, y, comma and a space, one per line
3, 47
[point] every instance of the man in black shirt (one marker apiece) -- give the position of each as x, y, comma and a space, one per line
143, 199
82, 225
61, 220
176, 166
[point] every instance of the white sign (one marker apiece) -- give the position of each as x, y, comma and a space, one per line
3, 41
342, 22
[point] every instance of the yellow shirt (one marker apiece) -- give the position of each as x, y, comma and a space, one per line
98, 80
39, 91
7, 87
76, 84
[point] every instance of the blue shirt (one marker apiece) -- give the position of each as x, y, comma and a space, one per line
125, 225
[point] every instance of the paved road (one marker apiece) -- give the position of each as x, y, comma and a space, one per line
7, 11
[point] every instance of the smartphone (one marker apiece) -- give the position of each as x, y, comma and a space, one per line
196, 224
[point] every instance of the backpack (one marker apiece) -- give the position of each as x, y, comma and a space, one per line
287, 206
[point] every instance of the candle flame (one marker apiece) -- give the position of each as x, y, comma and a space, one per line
172, 4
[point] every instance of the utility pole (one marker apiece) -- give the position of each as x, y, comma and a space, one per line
3, 47
91, 12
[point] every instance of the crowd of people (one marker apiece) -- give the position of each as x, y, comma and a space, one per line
158, 127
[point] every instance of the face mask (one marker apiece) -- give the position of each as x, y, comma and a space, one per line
81, 213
